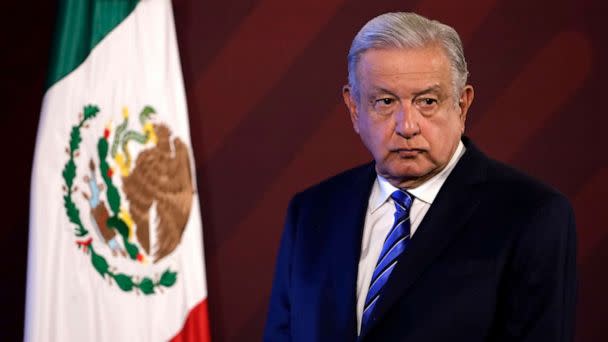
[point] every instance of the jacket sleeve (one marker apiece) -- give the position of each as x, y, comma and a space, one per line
538, 297
278, 322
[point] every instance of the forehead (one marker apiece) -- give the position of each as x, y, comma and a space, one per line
425, 66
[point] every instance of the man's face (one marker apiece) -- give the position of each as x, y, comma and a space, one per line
407, 114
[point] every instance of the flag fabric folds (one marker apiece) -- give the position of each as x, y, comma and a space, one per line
115, 240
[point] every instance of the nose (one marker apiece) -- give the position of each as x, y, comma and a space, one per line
406, 121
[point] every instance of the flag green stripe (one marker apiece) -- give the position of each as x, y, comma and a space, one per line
82, 24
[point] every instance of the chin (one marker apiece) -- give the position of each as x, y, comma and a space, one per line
401, 172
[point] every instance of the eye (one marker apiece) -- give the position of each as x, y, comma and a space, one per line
426, 103
384, 106
385, 101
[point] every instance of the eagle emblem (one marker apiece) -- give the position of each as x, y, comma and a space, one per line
137, 189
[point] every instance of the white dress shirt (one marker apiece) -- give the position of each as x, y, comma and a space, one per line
379, 220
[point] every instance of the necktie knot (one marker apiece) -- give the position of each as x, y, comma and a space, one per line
403, 201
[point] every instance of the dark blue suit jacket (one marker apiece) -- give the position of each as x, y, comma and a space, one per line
492, 260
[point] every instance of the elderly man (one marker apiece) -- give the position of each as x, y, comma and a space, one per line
432, 241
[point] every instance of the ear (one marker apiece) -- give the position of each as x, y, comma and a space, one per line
465, 101
351, 104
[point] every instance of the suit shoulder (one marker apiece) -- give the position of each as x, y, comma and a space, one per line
338, 183
512, 182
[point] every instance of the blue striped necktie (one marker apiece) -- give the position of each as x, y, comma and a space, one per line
395, 244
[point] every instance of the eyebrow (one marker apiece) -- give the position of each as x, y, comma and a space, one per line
380, 90
433, 89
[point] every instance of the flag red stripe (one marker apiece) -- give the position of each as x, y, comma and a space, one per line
196, 327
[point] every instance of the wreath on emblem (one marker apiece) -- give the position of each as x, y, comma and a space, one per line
159, 180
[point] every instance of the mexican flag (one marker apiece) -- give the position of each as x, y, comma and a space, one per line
115, 243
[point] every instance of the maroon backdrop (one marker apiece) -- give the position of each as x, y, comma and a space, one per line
263, 83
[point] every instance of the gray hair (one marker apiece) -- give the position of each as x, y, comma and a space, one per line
407, 30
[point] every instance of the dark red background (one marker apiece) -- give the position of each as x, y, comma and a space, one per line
263, 82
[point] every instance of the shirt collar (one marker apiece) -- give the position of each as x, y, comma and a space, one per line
426, 192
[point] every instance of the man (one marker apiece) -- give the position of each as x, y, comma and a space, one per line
432, 241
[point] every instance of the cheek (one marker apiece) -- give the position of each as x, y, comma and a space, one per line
441, 136
375, 132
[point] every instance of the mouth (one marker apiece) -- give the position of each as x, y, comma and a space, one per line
407, 152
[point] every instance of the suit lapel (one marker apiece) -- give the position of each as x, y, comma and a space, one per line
345, 229
454, 204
